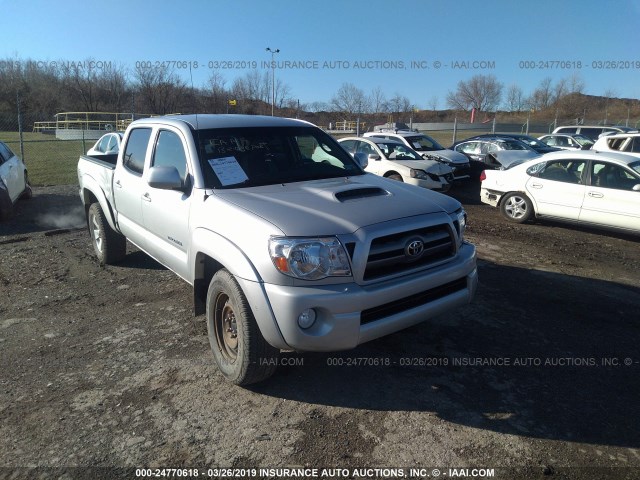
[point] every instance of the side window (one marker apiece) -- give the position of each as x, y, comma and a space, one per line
136, 150
633, 145
568, 130
567, 171
348, 145
169, 152
102, 145
591, 132
5, 153
364, 147
607, 175
470, 147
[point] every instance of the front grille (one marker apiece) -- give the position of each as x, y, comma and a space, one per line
407, 303
388, 255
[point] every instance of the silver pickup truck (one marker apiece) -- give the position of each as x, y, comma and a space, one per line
287, 242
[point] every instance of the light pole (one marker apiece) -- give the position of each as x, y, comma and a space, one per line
273, 78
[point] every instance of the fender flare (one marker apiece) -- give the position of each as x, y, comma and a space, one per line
89, 185
207, 244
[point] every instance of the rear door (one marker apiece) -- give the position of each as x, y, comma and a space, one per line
129, 185
558, 189
610, 199
166, 212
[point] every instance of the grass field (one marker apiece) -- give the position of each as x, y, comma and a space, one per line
49, 161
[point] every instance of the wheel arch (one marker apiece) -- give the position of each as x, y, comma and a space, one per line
91, 192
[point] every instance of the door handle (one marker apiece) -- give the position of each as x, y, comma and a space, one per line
146, 197
536, 185
118, 184
595, 195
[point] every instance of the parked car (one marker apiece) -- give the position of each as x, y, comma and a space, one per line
493, 152
532, 142
107, 144
628, 143
593, 131
395, 160
428, 148
584, 187
14, 181
567, 141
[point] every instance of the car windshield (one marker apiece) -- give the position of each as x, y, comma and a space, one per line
397, 151
582, 140
635, 166
532, 141
422, 143
512, 145
248, 157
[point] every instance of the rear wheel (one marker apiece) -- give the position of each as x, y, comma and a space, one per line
109, 245
239, 349
516, 207
28, 191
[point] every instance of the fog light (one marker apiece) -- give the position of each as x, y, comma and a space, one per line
307, 318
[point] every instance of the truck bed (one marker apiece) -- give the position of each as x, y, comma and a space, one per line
107, 160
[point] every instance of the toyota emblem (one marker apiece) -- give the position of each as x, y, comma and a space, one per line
414, 249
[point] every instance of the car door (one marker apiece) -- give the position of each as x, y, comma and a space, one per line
129, 186
11, 172
374, 166
610, 199
166, 212
557, 188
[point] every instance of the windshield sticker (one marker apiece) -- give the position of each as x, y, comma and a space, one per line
228, 170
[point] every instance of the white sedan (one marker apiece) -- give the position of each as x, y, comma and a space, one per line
14, 182
109, 143
584, 187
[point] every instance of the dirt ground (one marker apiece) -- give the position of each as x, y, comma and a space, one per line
104, 370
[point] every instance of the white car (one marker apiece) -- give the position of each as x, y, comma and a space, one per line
567, 141
14, 182
106, 144
428, 148
628, 143
584, 187
394, 160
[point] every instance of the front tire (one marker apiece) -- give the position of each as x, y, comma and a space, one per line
516, 207
109, 245
396, 177
239, 349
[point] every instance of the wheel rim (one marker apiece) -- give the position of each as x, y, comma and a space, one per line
226, 327
516, 207
95, 232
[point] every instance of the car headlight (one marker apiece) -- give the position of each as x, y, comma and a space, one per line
309, 258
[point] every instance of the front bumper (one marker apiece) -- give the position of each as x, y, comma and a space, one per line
351, 314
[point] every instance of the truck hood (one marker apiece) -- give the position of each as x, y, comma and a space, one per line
336, 206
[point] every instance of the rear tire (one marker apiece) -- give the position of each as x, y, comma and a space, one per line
109, 245
28, 191
239, 349
6, 206
516, 207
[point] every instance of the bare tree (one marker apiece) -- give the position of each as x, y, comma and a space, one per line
515, 100
377, 100
433, 103
160, 90
399, 104
349, 99
482, 92
542, 97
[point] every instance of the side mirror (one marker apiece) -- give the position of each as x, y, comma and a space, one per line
361, 159
165, 178
373, 157
636, 188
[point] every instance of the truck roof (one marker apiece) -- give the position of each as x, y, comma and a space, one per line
207, 120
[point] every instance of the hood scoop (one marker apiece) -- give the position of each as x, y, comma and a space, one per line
362, 192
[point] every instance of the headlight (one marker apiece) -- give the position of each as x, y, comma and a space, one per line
309, 258
421, 174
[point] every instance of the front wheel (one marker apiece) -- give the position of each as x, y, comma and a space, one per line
109, 245
517, 207
239, 349
396, 177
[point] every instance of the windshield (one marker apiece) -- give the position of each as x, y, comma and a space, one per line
582, 140
422, 143
248, 157
512, 145
397, 151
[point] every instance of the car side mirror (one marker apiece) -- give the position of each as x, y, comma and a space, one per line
636, 188
165, 178
361, 159
373, 157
